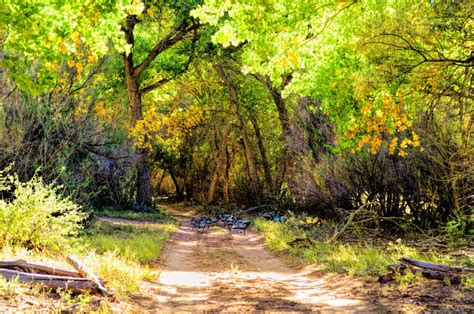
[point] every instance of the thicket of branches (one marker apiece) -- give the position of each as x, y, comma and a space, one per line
384, 120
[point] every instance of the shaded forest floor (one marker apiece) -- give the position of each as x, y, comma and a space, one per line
218, 270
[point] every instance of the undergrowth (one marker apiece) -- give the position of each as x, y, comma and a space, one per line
352, 259
116, 253
36, 214
39, 224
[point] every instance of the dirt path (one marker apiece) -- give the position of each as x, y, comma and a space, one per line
217, 270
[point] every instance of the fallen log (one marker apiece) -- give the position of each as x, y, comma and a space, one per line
24, 266
435, 267
403, 268
74, 284
439, 275
430, 274
88, 274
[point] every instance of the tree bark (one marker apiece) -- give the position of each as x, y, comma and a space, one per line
143, 183
179, 190
263, 152
285, 125
234, 100
220, 161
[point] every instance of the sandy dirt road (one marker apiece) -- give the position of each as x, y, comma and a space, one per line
218, 270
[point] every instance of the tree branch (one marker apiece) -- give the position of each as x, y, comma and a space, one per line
131, 21
184, 68
155, 85
166, 42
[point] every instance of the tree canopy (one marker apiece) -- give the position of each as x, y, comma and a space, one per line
317, 105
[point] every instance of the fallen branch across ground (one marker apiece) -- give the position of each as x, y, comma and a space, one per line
74, 284
436, 267
427, 270
88, 274
24, 266
54, 278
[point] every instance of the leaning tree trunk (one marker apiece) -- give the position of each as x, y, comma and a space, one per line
285, 125
263, 152
179, 190
234, 100
132, 74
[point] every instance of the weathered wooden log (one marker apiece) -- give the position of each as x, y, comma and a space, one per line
427, 273
74, 284
24, 266
433, 274
88, 274
435, 267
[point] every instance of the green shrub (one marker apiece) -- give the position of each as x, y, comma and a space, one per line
36, 215
457, 229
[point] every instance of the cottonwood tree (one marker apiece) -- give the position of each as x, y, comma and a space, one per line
171, 25
156, 40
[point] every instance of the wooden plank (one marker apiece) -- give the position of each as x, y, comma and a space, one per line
74, 284
435, 267
74, 261
26, 267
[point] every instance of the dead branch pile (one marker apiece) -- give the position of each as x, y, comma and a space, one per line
81, 281
427, 270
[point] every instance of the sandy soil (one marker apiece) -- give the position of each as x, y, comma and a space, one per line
218, 270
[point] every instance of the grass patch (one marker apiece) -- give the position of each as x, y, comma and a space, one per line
121, 253
353, 259
154, 215
141, 244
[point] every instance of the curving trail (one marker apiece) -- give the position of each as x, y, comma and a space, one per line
217, 270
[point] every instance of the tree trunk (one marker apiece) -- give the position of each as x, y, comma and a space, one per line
285, 125
234, 100
160, 182
179, 191
219, 172
143, 183
263, 152
132, 73
225, 178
